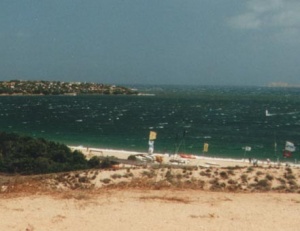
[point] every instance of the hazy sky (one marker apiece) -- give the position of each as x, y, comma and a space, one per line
198, 42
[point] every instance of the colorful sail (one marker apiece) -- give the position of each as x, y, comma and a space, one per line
152, 135
247, 148
289, 146
205, 147
287, 154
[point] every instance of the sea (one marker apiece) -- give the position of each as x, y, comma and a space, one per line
235, 122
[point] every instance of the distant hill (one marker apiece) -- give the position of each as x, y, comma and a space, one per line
19, 87
283, 84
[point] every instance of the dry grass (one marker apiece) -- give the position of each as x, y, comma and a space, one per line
209, 215
167, 199
233, 179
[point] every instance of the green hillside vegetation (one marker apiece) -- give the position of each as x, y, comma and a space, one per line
27, 155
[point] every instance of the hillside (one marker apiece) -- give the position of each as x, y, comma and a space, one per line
19, 87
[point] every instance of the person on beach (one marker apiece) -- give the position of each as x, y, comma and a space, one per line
151, 147
255, 162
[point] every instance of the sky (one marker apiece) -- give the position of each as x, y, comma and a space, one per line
183, 42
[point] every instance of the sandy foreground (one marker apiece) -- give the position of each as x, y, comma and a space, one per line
151, 210
217, 195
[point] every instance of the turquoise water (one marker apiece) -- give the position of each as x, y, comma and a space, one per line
227, 118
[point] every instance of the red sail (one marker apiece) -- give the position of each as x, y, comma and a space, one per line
287, 154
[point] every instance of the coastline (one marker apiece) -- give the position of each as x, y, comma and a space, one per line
200, 161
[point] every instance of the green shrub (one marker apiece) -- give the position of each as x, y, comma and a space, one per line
250, 169
94, 162
27, 155
132, 157
107, 162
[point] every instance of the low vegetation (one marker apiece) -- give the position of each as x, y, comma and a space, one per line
22, 155
27, 155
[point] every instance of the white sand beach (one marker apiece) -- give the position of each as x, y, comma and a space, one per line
203, 160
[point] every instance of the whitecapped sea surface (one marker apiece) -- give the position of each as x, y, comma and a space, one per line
227, 118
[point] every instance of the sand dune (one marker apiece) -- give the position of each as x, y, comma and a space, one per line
205, 194
151, 210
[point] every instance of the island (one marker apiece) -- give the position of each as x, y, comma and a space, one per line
20, 87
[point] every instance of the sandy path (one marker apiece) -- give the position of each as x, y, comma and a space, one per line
151, 210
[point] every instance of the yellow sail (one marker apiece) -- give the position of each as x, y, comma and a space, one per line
152, 135
205, 148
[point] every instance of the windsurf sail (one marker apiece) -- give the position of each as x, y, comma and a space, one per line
289, 146
287, 154
152, 135
289, 149
205, 147
269, 114
280, 114
247, 148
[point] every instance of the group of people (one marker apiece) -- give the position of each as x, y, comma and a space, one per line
255, 161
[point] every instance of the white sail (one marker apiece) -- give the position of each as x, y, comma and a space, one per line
289, 146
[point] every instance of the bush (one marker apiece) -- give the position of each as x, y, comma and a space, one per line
223, 175
259, 173
263, 185
107, 162
289, 176
230, 181
244, 178
94, 162
231, 172
27, 155
132, 157
269, 177
106, 181
250, 169
169, 176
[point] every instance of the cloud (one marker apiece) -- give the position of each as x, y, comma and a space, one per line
246, 21
278, 16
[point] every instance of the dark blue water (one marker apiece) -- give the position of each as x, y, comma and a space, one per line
227, 118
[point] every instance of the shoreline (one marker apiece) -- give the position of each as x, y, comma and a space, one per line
195, 160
